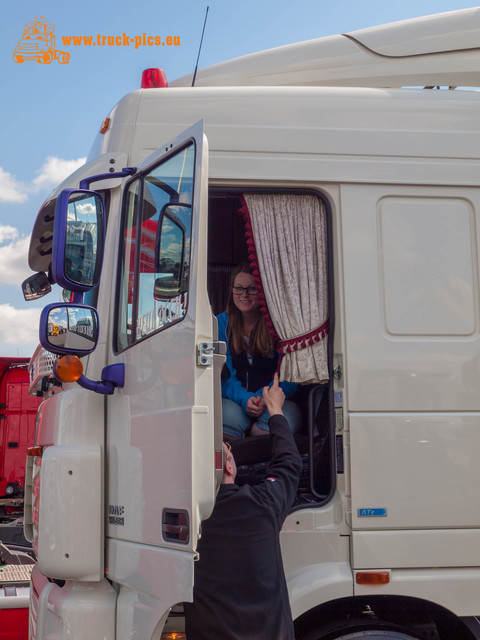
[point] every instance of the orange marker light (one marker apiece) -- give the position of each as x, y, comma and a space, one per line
372, 577
34, 452
105, 125
68, 369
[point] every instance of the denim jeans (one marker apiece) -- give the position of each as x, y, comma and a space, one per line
236, 422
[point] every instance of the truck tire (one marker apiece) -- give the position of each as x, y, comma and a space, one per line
375, 634
361, 632
17, 58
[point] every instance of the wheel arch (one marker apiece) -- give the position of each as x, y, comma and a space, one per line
324, 582
411, 614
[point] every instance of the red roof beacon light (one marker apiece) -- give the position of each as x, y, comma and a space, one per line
154, 79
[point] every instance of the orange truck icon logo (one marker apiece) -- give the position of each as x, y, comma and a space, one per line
38, 43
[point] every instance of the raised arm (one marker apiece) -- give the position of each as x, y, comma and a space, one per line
283, 472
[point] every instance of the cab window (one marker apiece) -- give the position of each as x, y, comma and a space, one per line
155, 249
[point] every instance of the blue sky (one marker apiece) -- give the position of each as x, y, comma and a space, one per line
50, 113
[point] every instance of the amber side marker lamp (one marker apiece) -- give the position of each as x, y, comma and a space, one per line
105, 126
68, 369
372, 577
35, 452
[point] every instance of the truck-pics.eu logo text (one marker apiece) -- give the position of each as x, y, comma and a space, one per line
37, 42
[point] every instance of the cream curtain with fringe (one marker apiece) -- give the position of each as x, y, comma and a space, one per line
290, 238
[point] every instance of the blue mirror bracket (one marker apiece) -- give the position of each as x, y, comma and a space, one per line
113, 376
126, 171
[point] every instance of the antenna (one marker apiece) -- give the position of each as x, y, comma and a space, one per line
200, 47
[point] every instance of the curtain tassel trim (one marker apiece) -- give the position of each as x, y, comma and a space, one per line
303, 341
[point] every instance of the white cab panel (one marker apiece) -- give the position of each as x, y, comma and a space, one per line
70, 542
455, 589
422, 469
411, 292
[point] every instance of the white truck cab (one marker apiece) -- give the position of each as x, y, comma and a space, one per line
355, 133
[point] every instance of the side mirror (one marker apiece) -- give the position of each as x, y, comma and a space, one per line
36, 286
68, 328
170, 243
78, 239
72, 330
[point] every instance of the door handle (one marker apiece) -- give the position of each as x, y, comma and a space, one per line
175, 525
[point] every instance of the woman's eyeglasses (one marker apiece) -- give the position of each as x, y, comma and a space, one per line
251, 290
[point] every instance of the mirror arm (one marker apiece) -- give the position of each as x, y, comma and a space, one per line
112, 376
126, 171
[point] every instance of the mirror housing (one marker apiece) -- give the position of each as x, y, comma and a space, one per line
36, 286
69, 329
78, 239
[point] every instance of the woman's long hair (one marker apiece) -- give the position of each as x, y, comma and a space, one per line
260, 342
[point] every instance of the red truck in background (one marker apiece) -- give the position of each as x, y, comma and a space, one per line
17, 430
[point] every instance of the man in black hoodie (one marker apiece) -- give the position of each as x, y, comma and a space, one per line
240, 592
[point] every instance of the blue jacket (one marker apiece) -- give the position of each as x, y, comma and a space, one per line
233, 388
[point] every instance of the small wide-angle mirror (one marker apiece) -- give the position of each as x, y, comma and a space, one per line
171, 269
79, 236
67, 295
67, 328
36, 286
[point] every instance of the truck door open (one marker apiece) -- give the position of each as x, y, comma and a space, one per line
164, 436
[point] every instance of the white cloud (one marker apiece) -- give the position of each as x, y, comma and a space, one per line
54, 170
7, 232
19, 327
11, 190
13, 256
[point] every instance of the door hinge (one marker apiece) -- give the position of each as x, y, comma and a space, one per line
205, 354
206, 351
